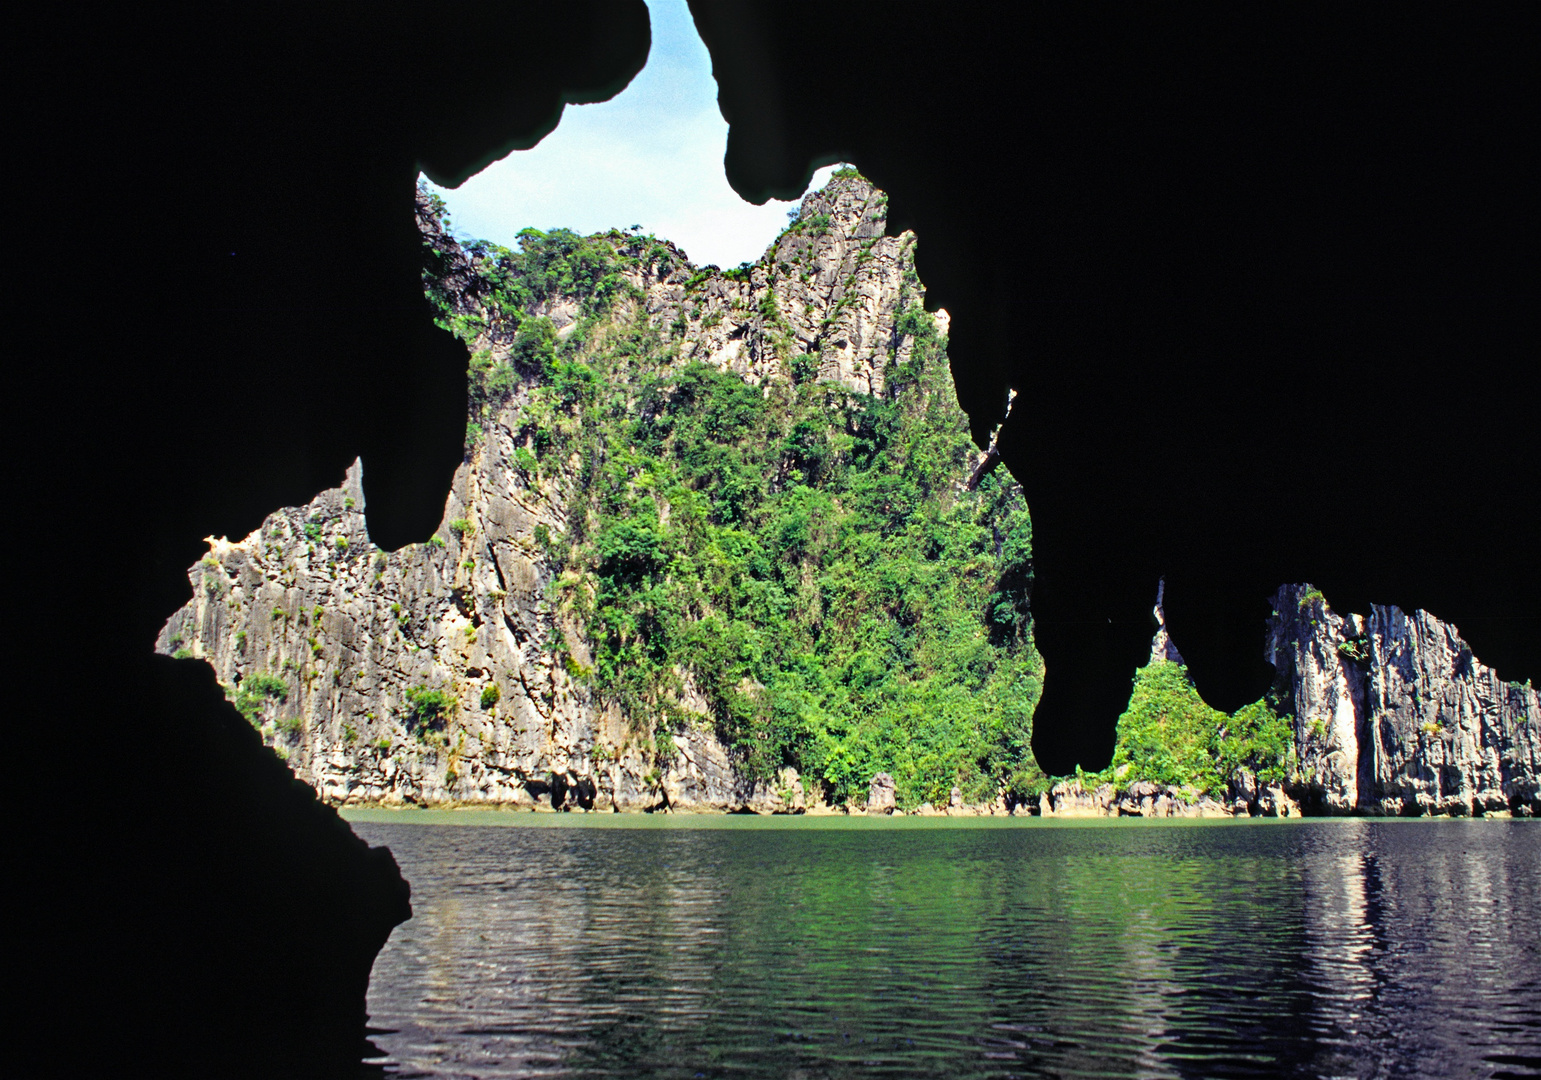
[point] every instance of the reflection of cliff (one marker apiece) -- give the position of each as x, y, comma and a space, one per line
1389, 979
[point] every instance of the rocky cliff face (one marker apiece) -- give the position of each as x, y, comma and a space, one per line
429, 674
1394, 715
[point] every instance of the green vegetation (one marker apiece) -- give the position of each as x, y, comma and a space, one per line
1356, 649
428, 708
798, 555
256, 689
1169, 736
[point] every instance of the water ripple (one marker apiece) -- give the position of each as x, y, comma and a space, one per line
1322, 949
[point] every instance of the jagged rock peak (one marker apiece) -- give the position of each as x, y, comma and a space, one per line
853, 206
1161, 645
827, 300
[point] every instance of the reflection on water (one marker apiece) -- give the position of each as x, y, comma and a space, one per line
1327, 948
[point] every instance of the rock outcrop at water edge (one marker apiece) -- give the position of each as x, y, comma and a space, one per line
1394, 715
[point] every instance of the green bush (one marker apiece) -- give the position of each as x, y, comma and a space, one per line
1165, 734
429, 708
1170, 736
269, 686
490, 695
1258, 737
256, 689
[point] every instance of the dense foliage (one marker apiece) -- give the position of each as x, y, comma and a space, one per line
795, 564
1168, 735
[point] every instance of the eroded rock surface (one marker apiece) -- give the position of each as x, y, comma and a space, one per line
880, 795
1394, 715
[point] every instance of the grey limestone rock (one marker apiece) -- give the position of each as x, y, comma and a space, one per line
1161, 646
880, 794
1394, 715
1391, 714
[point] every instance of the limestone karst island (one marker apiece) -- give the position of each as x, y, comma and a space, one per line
720, 541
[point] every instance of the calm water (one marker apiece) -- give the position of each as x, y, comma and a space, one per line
808, 948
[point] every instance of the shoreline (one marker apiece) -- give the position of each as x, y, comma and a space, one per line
499, 817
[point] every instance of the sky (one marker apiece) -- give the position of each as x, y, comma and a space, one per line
650, 156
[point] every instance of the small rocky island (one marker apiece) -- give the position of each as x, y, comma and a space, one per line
707, 518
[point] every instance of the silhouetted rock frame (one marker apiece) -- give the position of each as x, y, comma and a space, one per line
1261, 278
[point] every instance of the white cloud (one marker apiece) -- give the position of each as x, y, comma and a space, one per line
650, 156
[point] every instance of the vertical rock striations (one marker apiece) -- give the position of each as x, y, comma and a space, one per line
1394, 715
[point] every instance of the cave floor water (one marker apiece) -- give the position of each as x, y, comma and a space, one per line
620, 946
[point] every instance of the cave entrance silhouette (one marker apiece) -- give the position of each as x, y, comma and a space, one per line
1264, 282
